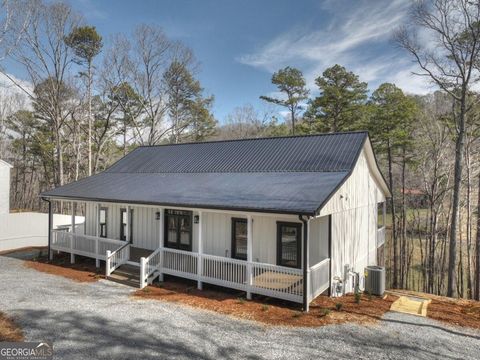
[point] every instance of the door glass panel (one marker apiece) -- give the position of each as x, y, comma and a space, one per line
240, 239
172, 230
185, 231
103, 216
289, 245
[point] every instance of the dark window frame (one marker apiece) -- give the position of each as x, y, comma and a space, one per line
103, 229
299, 243
122, 231
178, 214
234, 239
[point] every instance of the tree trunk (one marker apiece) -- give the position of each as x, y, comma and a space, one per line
292, 114
392, 205
459, 148
89, 118
477, 247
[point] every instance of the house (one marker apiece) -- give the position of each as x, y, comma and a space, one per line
287, 217
4, 187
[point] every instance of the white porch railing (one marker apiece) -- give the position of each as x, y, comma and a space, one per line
84, 245
116, 258
266, 279
380, 236
223, 271
319, 279
277, 281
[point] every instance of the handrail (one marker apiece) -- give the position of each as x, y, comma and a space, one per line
149, 257
319, 264
120, 248
111, 261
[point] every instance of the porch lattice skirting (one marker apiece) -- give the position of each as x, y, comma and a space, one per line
253, 277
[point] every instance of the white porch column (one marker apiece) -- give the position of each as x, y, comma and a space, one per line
72, 255
97, 232
200, 251
50, 230
161, 235
306, 265
127, 228
249, 255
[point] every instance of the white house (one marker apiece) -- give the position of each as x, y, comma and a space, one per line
286, 217
4, 187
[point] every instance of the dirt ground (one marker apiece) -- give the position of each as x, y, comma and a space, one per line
9, 331
457, 312
83, 270
323, 310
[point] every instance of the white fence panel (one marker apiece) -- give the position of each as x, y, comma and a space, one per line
319, 280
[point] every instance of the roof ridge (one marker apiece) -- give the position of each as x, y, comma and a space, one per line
258, 138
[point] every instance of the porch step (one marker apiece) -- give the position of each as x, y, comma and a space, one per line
127, 275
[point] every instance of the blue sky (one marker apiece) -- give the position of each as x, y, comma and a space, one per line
239, 44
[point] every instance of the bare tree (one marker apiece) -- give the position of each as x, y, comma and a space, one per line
46, 58
448, 59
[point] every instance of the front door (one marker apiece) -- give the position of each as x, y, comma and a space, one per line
178, 229
123, 224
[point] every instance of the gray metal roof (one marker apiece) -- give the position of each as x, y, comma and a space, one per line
283, 175
326, 152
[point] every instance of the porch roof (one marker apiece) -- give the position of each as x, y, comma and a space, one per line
277, 192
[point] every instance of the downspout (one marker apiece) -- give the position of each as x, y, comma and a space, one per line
305, 262
49, 224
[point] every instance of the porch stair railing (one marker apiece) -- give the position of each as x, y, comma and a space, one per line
116, 258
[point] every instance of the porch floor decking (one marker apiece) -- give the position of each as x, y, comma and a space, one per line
136, 253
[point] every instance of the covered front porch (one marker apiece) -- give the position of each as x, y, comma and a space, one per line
266, 254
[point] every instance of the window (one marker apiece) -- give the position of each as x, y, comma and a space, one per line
239, 238
123, 225
289, 244
103, 222
178, 229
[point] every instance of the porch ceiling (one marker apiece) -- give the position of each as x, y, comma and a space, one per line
277, 192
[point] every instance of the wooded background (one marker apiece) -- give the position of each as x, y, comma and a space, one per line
74, 115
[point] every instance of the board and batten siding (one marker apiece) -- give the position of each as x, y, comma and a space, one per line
353, 209
217, 232
4, 187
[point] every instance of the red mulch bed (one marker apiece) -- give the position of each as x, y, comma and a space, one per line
83, 270
268, 311
9, 331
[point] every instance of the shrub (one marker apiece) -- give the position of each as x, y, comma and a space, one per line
297, 314
146, 290
264, 307
325, 312
358, 297
241, 300
338, 306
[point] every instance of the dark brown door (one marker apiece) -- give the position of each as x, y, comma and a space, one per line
178, 229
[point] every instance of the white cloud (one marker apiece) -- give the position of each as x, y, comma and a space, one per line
8, 90
348, 39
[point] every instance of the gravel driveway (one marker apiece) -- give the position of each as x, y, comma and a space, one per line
100, 321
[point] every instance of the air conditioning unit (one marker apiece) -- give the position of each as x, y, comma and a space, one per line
375, 280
